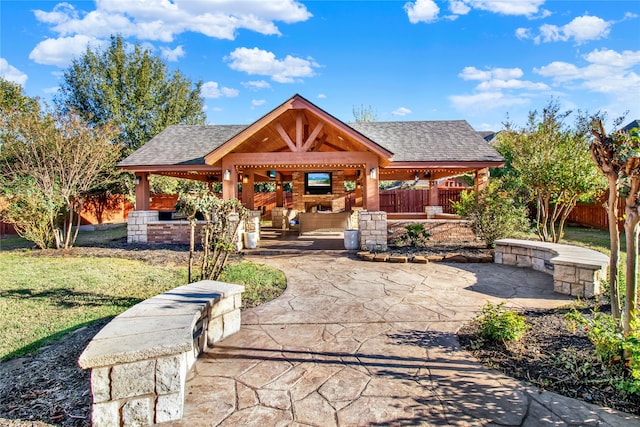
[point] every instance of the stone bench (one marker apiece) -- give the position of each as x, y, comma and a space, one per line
576, 271
139, 361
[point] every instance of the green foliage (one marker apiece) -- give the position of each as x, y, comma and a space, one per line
415, 236
222, 219
498, 324
612, 345
50, 161
160, 184
12, 97
551, 165
132, 89
493, 213
262, 283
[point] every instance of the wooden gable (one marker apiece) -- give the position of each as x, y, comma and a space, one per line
295, 129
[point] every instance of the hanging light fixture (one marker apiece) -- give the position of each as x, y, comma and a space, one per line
227, 175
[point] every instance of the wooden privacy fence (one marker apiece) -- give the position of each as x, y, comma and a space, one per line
401, 200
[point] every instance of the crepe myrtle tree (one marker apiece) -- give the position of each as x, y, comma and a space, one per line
617, 155
50, 161
552, 163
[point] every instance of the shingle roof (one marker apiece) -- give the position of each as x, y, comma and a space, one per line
429, 141
633, 124
182, 145
419, 141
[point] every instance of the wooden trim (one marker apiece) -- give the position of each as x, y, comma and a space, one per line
313, 136
170, 168
285, 137
445, 164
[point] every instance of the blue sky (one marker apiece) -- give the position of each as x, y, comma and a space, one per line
476, 60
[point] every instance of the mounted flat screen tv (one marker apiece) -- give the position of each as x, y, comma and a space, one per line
317, 183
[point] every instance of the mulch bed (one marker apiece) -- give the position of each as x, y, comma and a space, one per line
553, 356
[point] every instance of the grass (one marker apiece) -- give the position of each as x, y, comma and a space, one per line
102, 233
41, 298
262, 282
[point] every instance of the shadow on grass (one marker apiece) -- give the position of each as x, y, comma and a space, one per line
69, 298
35, 346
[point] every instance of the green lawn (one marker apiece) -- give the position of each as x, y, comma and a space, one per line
41, 298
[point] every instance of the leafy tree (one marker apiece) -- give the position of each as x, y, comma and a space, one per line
493, 212
552, 163
133, 89
50, 162
618, 158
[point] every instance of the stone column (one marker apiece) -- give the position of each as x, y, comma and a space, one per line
373, 230
137, 225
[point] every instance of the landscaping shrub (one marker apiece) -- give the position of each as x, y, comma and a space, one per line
612, 346
498, 324
415, 236
493, 213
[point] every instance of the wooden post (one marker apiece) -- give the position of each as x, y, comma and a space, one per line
279, 193
142, 191
247, 190
371, 197
229, 181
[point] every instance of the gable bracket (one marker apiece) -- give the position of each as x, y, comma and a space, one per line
313, 136
286, 137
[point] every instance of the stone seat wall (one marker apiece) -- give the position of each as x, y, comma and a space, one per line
139, 361
576, 271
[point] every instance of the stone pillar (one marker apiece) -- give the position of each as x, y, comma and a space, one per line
137, 225
373, 230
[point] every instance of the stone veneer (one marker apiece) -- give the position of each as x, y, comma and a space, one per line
139, 361
576, 271
373, 230
137, 225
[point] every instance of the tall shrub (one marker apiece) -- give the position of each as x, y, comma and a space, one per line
493, 212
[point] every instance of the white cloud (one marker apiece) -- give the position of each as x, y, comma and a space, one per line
472, 73
581, 29
11, 73
257, 102
322, 96
422, 11
212, 90
163, 19
256, 85
427, 10
402, 111
497, 88
507, 7
459, 7
608, 71
62, 50
172, 55
261, 62
486, 101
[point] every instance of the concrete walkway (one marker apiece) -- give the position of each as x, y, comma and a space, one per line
369, 344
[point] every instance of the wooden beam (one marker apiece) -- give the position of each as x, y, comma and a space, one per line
286, 137
312, 137
299, 130
300, 160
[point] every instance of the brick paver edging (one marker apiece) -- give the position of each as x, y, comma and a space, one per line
139, 361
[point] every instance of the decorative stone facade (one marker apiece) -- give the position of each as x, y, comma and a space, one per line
373, 230
137, 225
576, 271
140, 360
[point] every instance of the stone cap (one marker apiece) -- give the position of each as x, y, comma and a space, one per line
565, 254
159, 326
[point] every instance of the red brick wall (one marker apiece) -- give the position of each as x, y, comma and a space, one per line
171, 232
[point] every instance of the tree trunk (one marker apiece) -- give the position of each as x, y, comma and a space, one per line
631, 300
632, 218
614, 238
192, 238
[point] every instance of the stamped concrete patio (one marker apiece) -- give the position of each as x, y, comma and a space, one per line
368, 344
